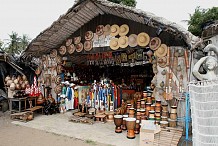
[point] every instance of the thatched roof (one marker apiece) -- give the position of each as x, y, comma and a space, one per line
85, 10
210, 30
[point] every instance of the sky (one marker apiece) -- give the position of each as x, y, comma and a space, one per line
31, 17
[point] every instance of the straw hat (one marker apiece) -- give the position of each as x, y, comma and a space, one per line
77, 40
53, 53
62, 50
124, 29
107, 30
99, 30
89, 35
143, 39
79, 47
133, 40
58, 79
57, 89
71, 49
58, 59
161, 51
115, 30
69, 42
72, 84
88, 45
155, 43
123, 41
59, 69
162, 61
114, 45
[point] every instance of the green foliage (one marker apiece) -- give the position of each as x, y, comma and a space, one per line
1, 46
200, 17
16, 44
131, 3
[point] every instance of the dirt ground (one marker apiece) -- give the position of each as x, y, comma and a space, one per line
15, 135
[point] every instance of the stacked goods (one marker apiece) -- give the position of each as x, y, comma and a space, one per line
16, 83
151, 115
138, 114
143, 114
148, 108
138, 106
164, 117
173, 116
157, 111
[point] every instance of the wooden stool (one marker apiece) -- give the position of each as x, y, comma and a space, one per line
101, 118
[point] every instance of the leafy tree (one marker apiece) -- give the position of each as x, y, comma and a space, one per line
131, 3
13, 44
24, 42
1, 46
16, 44
200, 18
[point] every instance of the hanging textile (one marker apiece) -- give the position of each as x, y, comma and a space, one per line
204, 112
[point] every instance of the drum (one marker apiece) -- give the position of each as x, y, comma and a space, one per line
144, 94
157, 108
137, 127
164, 118
142, 103
157, 114
163, 124
143, 114
173, 109
130, 124
173, 116
158, 102
172, 123
165, 113
152, 107
148, 108
165, 107
149, 100
138, 114
128, 107
131, 112
124, 122
138, 106
118, 120
151, 115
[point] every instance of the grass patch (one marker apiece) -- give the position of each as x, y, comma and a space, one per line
90, 142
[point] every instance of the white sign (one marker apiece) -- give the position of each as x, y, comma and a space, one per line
101, 41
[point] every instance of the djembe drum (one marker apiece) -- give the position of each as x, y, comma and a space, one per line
130, 124
124, 122
118, 120
137, 127
131, 112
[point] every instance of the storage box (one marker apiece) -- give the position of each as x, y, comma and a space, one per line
147, 131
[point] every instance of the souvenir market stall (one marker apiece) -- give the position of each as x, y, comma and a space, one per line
115, 58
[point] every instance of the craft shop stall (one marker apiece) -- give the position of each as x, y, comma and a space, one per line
108, 57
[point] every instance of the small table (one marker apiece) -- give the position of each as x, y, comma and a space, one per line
11, 100
100, 117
